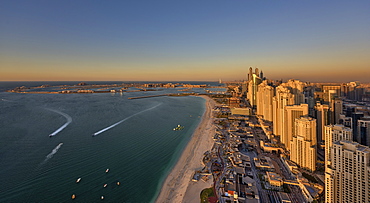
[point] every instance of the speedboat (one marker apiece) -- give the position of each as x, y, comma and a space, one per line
118, 183
102, 197
73, 196
179, 127
107, 170
105, 185
78, 180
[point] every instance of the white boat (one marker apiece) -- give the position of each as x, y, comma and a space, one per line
105, 185
78, 180
73, 196
102, 197
179, 127
118, 183
107, 170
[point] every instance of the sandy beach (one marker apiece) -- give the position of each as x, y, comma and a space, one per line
178, 186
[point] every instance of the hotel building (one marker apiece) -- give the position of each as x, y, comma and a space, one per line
265, 95
363, 131
322, 117
303, 144
334, 133
283, 98
291, 114
347, 178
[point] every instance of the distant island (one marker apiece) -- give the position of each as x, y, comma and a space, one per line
105, 88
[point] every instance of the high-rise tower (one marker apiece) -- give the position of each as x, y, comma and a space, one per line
347, 178
303, 144
363, 131
322, 117
254, 81
291, 114
334, 133
283, 98
265, 95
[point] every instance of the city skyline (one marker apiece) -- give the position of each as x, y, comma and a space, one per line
182, 41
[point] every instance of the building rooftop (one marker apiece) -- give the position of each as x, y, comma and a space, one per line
349, 145
274, 176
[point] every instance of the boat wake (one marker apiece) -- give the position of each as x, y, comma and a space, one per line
69, 120
51, 154
119, 122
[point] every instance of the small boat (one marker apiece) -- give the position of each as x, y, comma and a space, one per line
78, 180
179, 127
105, 185
107, 170
102, 197
73, 196
118, 183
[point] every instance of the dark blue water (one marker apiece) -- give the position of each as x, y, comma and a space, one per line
139, 151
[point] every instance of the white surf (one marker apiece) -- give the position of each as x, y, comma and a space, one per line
121, 121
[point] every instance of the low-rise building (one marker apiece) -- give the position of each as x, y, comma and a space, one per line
264, 163
275, 180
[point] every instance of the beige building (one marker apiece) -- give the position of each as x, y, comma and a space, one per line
331, 91
296, 87
347, 178
254, 81
322, 117
303, 145
283, 98
288, 94
291, 114
334, 133
265, 95
275, 180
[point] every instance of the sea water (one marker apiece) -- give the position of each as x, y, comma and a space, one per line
139, 151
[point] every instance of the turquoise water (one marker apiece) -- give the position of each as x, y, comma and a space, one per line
139, 151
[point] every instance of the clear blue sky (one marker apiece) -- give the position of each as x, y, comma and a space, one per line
184, 40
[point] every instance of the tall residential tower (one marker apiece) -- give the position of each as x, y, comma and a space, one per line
347, 178
303, 145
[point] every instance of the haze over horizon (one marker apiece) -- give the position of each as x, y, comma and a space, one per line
314, 41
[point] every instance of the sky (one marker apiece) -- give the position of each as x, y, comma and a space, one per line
203, 40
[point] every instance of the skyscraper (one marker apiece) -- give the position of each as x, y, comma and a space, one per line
265, 96
334, 133
363, 131
331, 91
283, 98
303, 144
291, 114
336, 109
254, 81
296, 87
347, 178
322, 117
250, 74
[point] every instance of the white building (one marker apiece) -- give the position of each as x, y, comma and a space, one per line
334, 133
347, 178
303, 145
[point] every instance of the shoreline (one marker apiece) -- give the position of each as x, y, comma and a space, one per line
177, 185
